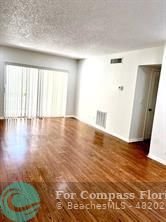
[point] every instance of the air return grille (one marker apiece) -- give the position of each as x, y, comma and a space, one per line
101, 118
115, 61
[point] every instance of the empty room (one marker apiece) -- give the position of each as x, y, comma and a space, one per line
82, 110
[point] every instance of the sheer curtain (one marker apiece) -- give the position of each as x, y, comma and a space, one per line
32, 92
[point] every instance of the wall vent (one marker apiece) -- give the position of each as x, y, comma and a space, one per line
101, 118
115, 61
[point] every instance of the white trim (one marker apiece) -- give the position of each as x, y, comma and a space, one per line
133, 140
103, 130
158, 159
70, 116
116, 135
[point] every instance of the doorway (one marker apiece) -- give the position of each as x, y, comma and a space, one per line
147, 83
32, 92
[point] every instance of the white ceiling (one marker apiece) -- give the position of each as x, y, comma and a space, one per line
82, 28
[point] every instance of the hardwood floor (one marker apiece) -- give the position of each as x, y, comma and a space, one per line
67, 155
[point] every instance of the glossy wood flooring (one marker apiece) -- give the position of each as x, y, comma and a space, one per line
70, 156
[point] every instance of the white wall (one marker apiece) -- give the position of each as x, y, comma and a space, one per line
43, 60
158, 141
98, 88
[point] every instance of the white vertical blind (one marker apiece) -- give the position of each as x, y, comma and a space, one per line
13, 92
53, 86
32, 92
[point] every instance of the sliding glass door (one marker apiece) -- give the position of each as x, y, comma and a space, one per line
33, 92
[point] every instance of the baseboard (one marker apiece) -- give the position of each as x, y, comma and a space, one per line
158, 159
103, 130
133, 140
67, 116
117, 136
70, 116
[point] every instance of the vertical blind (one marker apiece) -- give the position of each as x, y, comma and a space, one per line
33, 92
52, 93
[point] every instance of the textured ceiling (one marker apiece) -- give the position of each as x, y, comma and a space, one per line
82, 28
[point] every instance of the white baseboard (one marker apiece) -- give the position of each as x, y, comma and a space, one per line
158, 159
118, 136
67, 116
133, 140
70, 116
103, 130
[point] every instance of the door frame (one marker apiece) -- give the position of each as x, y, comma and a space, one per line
30, 66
